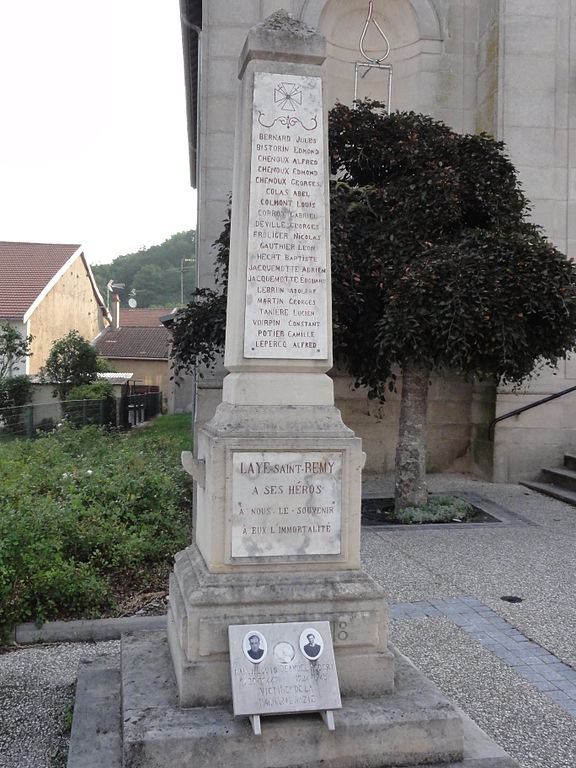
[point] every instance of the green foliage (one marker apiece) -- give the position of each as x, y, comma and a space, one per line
13, 347
15, 392
431, 251
72, 361
178, 427
153, 273
96, 390
439, 509
433, 261
103, 411
85, 514
104, 366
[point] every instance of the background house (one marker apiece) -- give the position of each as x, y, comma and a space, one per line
138, 342
46, 291
498, 66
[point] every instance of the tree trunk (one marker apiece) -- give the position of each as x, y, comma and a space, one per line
410, 482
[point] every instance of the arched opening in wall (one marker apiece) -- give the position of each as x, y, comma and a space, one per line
342, 23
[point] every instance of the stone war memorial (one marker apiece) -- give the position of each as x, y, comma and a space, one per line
276, 653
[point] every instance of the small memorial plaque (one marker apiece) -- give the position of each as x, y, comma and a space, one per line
286, 289
283, 668
286, 503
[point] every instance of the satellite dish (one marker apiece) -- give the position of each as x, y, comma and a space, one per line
132, 303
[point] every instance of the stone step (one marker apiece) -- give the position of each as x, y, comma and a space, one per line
96, 737
560, 477
161, 734
562, 494
570, 461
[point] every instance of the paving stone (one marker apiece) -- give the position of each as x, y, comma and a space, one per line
567, 687
544, 685
530, 660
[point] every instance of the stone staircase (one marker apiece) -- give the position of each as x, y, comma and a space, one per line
560, 482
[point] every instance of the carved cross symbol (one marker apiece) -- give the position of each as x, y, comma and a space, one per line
288, 95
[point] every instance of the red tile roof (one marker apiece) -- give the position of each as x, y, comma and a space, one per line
25, 270
134, 343
142, 318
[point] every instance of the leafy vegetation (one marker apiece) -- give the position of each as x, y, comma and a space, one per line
87, 516
72, 362
13, 347
15, 392
95, 390
435, 267
103, 400
153, 275
438, 509
432, 249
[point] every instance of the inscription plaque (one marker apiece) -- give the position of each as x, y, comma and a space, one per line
296, 672
286, 503
286, 290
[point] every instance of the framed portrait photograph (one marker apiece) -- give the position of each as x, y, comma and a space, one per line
254, 646
311, 644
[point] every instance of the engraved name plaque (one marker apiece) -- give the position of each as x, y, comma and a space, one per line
286, 503
286, 290
282, 668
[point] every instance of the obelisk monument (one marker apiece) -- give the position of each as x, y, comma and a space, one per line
279, 475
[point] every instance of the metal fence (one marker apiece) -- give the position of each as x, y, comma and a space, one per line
28, 421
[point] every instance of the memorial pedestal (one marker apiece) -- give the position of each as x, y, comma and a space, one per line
279, 488
204, 604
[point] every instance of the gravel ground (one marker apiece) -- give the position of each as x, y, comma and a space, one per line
37, 693
532, 559
521, 719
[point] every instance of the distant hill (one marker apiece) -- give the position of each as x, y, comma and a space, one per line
152, 275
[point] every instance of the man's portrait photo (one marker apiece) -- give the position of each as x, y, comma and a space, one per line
311, 644
254, 646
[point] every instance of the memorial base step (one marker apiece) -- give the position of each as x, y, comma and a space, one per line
415, 726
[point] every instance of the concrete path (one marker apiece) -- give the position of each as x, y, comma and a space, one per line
510, 666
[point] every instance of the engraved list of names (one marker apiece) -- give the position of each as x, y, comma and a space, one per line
286, 291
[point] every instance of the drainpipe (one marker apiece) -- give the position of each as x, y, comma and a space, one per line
115, 312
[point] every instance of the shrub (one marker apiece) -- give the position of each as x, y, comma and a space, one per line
102, 409
15, 392
85, 515
72, 361
439, 509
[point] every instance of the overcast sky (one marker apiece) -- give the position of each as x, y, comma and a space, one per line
93, 144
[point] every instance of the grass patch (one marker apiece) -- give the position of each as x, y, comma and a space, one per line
177, 427
89, 515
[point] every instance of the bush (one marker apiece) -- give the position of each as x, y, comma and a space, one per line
85, 516
15, 392
72, 361
102, 409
